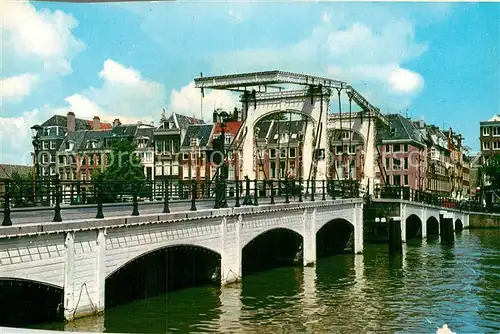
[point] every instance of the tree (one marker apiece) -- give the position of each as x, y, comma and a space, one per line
123, 174
22, 189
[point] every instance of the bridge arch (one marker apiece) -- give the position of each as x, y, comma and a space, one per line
459, 226
27, 302
333, 237
432, 226
413, 227
161, 270
272, 248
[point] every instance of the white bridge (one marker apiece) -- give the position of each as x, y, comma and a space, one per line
78, 256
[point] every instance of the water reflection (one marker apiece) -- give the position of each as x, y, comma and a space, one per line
427, 286
230, 309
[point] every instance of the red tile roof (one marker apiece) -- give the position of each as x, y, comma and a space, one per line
231, 127
104, 126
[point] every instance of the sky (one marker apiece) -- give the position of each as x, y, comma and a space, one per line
439, 62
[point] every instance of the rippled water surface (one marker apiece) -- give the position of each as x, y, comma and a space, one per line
428, 286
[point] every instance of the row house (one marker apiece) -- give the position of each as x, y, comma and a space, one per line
50, 135
403, 153
167, 142
84, 152
278, 149
230, 125
489, 138
347, 155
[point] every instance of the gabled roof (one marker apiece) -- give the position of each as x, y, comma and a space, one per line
400, 128
495, 118
201, 131
80, 124
231, 127
179, 121
264, 127
146, 132
124, 130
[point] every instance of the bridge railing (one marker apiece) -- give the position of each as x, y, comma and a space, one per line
415, 195
62, 196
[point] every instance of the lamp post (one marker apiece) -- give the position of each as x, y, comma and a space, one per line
35, 129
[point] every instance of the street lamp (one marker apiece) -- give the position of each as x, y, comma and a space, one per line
35, 130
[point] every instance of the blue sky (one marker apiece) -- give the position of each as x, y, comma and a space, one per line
439, 61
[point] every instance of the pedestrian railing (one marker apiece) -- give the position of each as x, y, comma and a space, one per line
415, 195
60, 196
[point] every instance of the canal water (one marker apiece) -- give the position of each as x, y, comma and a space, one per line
430, 285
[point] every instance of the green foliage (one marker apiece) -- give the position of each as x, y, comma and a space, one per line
123, 174
21, 189
492, 171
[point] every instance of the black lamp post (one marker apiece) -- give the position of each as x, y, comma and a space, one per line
35, 129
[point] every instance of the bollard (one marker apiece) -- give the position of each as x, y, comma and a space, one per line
395, 243
6, 211
323, 186
272, 191
247, 200
313, 190
57, 208
256, 195
300, 190
166, 208
287, 189
135, 204
237, 205
100, 213
193, 196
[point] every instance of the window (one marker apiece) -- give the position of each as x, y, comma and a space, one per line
294, 136
387, 163
406, 163
194, 141
405, 148
396, 180
352, 149
339, 150
495, 131
496, 145
61, 159
486, 145
45, 158
273, 153
52, 144
227, 139
339, 168
396, 148
46, 131
346, 135
292, 153
273, 169
406, 180
45, 145
185, 156
396, 164
387, 148
53, 159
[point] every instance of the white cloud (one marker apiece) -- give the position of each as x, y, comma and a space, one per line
42, 35
406, 81
17, 87
187, 101
115, 72
15, 137
371, 57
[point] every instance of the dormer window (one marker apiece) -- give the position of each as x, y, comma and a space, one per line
46, 131
194, 141
69, 145
91, 144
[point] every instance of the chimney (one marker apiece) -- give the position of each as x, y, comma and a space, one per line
116, 122
96, 125
71, 121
